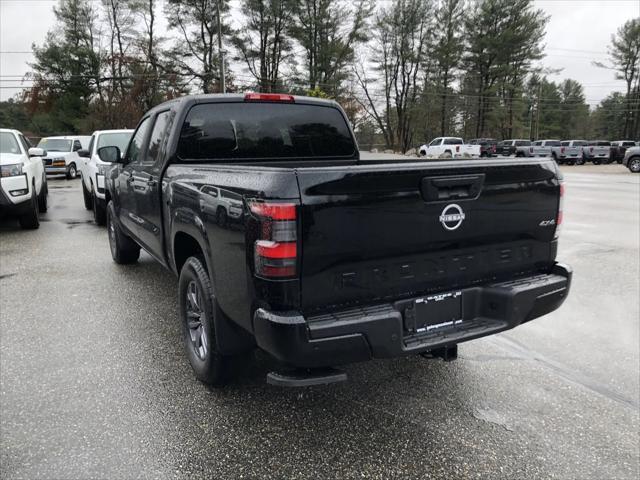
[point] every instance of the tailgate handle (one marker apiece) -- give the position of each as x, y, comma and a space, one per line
441, 189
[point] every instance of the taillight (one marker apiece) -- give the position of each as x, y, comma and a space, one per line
269, 97
530, 149
457, 148
591, 149
276, 250
560, 210
561, 149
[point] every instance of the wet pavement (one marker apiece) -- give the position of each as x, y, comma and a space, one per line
94, 382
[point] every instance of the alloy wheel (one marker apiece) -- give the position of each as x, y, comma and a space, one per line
195, 320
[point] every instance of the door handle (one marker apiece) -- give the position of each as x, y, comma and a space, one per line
439, 189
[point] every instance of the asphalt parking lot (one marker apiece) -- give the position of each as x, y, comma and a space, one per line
94, 383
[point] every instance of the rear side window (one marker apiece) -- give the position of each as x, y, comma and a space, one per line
580, 143
218, 131
135, 145
565, 144
523, 143
157, 136
603, 144
553, 143
453, 141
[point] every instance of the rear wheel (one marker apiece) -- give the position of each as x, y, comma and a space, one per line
30, 220
86, 196
596, 162
580, 161
634, 164
198, 311
123, 249
72, 172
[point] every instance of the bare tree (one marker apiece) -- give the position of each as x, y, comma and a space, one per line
263, 41
196, 54
329, 31
400, 47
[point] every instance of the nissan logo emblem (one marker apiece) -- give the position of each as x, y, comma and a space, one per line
452, 217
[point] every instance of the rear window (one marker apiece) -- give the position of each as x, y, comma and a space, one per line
580, 143
603, 144
552, 143
565, 144
264, 130
523, 143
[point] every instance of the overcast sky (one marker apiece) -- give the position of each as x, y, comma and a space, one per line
578, 33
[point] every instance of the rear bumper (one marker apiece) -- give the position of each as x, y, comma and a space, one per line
379, 331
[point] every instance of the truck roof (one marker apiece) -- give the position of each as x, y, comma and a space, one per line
236, 97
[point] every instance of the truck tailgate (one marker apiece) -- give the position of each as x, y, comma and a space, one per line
377, 231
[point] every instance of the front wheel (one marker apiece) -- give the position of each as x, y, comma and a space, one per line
221, 217
123, 250
72, 172
42, 198
596, 162
634, 165
99, 210
198, 311
30, 220
86, 196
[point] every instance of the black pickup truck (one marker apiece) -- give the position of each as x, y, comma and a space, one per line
285, 239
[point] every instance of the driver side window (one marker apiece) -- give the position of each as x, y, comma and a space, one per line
135, 146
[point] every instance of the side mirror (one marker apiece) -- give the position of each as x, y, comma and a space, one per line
37, 152
77, 148
109, 154
84, 153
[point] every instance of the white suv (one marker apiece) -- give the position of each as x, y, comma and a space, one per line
23, 183
62, 154
93, 169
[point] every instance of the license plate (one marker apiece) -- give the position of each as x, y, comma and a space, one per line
438, 311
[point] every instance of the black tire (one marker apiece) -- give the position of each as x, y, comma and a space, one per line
596, 162
221, 217
198, 310
72, 171
580, 161
124, 251
99, 211
30, 220
634, 165
42, 198
86, 196
571, 162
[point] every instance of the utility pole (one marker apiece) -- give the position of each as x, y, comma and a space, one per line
223, 85
538, 112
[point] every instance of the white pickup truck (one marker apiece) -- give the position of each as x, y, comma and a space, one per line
93, 169
23, 183
62, 154
449, 147
597, 151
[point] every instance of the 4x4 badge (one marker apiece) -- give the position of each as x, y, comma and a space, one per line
452, 217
